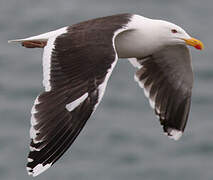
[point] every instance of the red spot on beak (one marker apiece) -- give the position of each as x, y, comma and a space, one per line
195, 43
198, 47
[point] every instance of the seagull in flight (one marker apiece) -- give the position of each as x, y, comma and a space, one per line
77, 63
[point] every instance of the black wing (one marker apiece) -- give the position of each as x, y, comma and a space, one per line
77, 65
167, 79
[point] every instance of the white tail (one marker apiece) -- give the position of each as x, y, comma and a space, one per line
42, 37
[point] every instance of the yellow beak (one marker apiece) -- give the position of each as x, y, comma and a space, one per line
195, 43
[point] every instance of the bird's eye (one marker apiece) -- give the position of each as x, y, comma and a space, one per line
174, 31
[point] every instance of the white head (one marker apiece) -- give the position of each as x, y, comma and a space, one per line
148, 35
167, 32
170, 33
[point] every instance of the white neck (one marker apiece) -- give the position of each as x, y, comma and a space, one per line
140, 38
131, 44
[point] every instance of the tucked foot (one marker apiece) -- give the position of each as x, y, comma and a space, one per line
34, 44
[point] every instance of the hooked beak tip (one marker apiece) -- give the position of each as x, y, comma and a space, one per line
195, 43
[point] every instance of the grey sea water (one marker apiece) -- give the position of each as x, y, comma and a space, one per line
123, 140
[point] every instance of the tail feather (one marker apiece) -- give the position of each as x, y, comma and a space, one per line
42, 37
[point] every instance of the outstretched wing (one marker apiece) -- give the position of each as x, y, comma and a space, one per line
76, 65
167, 79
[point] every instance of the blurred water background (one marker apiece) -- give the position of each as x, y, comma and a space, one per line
123, 140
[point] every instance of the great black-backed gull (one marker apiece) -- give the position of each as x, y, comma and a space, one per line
77, 63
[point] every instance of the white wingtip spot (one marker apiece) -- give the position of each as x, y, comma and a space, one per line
29, 171
38, 169
174, 134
